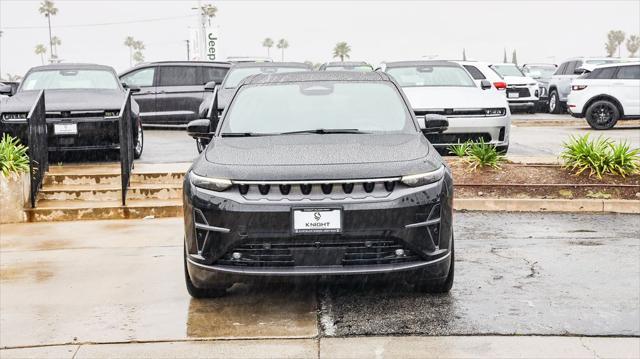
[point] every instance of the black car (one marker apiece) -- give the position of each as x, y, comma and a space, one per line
346, 66
171, 92
82, 103
236, 74
318, 174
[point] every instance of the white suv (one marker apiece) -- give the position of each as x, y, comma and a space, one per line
606, 94
475, 112
522, 91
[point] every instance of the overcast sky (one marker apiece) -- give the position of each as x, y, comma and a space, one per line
540, 31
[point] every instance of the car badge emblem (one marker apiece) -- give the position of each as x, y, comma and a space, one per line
66, 114
448, 111
317, 216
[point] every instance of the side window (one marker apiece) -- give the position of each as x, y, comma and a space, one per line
578, 64
216, 74
475, 73
629, 72
570, 68
561, 68
178, 76
603, 74
140, 78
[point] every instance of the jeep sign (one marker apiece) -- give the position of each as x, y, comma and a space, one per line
211, 46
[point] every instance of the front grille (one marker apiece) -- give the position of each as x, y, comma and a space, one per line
296, 190
458, 137
309, 252
522, 92
76, 114
452, 113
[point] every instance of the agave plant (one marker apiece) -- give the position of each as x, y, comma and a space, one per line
13, 156
600, 156
482, 154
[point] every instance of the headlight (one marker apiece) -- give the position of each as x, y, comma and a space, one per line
14, 116
495, 112
423, 178
213, 184
112, 113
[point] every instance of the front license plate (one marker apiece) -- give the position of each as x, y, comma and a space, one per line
317, 220
513, 94
65, 129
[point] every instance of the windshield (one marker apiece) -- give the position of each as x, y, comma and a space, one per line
274, 109
236, 75
507, 70
70, 79
431, 75
361, 68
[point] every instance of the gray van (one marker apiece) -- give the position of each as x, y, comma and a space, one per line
170, 92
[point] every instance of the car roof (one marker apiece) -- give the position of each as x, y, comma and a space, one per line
203, 63
618, 64
301, 65
72, 66
312, 76
347, 63
540, 64
420, 63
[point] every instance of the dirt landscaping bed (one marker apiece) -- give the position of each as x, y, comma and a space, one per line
538, 181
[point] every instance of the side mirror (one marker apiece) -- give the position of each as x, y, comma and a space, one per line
6, 89
200, 129
210, 86
485, 84
132, 88
433, 124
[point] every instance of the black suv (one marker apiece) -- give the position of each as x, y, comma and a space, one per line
318, 174
171, 92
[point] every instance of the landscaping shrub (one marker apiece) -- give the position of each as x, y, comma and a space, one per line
13, 156
600, 156
460, 149
481, 154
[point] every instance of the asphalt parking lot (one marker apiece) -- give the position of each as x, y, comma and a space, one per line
162, 145
549, 274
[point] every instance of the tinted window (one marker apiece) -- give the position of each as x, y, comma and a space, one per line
602, 74
366, 106
475, 73
216, 74
431, 75
140, 78
578, 64
561, 69
570, 68
178, 76
629, 72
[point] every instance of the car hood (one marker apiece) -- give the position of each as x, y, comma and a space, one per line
453, 97
312, 156
65, 100
519, 80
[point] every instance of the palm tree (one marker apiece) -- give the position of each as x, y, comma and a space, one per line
342, 51
55, 41
47, 8
41, 50
209, 11
138, 56
504, 57
619, 37
514, 58
129, 42
633, 44
268, 43
282, 44
464, 55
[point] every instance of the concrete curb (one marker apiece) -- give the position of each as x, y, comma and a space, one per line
546, 205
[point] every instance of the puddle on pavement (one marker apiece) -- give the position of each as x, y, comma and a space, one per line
38, 272
255, 311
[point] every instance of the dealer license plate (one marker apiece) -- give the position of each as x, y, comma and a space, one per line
65, 128
317, 220
513, 94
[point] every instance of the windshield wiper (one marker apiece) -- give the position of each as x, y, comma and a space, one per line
243, 134
324, 131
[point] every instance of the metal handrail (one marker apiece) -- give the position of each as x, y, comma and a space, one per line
126, 145
38, 146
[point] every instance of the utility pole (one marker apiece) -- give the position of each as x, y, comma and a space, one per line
188, 56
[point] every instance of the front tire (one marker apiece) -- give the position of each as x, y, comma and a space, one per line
138, 145
555, 106
438, 286
196, 292
602, 115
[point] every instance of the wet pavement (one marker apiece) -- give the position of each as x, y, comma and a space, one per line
122, 281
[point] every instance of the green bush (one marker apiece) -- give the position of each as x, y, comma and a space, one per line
13, 156
600, 156
460, 149
482, 154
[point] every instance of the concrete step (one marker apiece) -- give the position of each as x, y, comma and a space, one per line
109, 192
52, 210
109, 174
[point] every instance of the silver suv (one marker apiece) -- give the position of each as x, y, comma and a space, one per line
560, 82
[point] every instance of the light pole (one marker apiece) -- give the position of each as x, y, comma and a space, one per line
188, 57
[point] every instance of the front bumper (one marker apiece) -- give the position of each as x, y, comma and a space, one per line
493, 130
92, 134
415, 220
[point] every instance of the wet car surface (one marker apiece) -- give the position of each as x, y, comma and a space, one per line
517, 274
